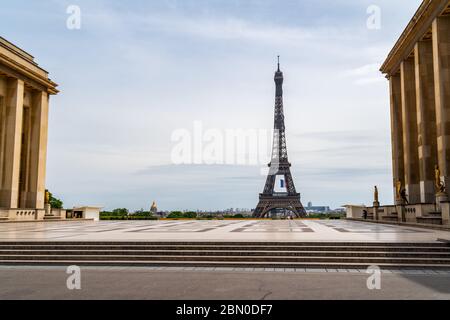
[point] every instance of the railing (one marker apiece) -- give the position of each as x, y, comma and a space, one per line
25, 213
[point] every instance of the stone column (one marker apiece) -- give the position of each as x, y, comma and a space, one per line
445, 209
38, 148
441, 60
398, 165
2, 128
9, 194
410, 137
25, 158
426, 119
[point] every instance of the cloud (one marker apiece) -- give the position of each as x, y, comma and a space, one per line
365, 75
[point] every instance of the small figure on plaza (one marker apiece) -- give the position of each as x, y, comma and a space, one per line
365, 214
404, 196
401, 192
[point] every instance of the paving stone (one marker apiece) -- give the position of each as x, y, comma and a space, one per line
315, 270
396, 271
413, 272
174, 269
354, 271
362, 270
150, 268
430, 272
223, 269
442, 272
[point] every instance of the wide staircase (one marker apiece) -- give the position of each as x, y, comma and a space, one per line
391, 217
434, 255
431, 218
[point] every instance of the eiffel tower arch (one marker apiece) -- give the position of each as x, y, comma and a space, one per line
285, 201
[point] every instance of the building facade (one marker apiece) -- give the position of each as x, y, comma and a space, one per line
25, 89
418, 70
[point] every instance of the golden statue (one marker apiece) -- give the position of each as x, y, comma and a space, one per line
398, 189
47, 196
439, 184
375, 195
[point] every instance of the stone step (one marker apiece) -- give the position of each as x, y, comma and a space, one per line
389, 218
225, 253
429, 220
226, 243
236, 253
229, 264
224, 248
52, 218
434, 214
272, 259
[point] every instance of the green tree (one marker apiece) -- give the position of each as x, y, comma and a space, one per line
175, 215
55, 202
190, 215
120, 211
142, 213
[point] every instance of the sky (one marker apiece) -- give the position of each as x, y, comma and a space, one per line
135, 73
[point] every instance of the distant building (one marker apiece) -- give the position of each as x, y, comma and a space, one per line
161, 214
317, 209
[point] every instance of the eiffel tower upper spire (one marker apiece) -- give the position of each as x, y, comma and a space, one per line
279, 80
279, 150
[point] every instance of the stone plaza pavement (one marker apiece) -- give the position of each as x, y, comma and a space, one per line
196, 282
160, 283
228, 230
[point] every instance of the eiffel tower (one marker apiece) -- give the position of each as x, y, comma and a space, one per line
286, 200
